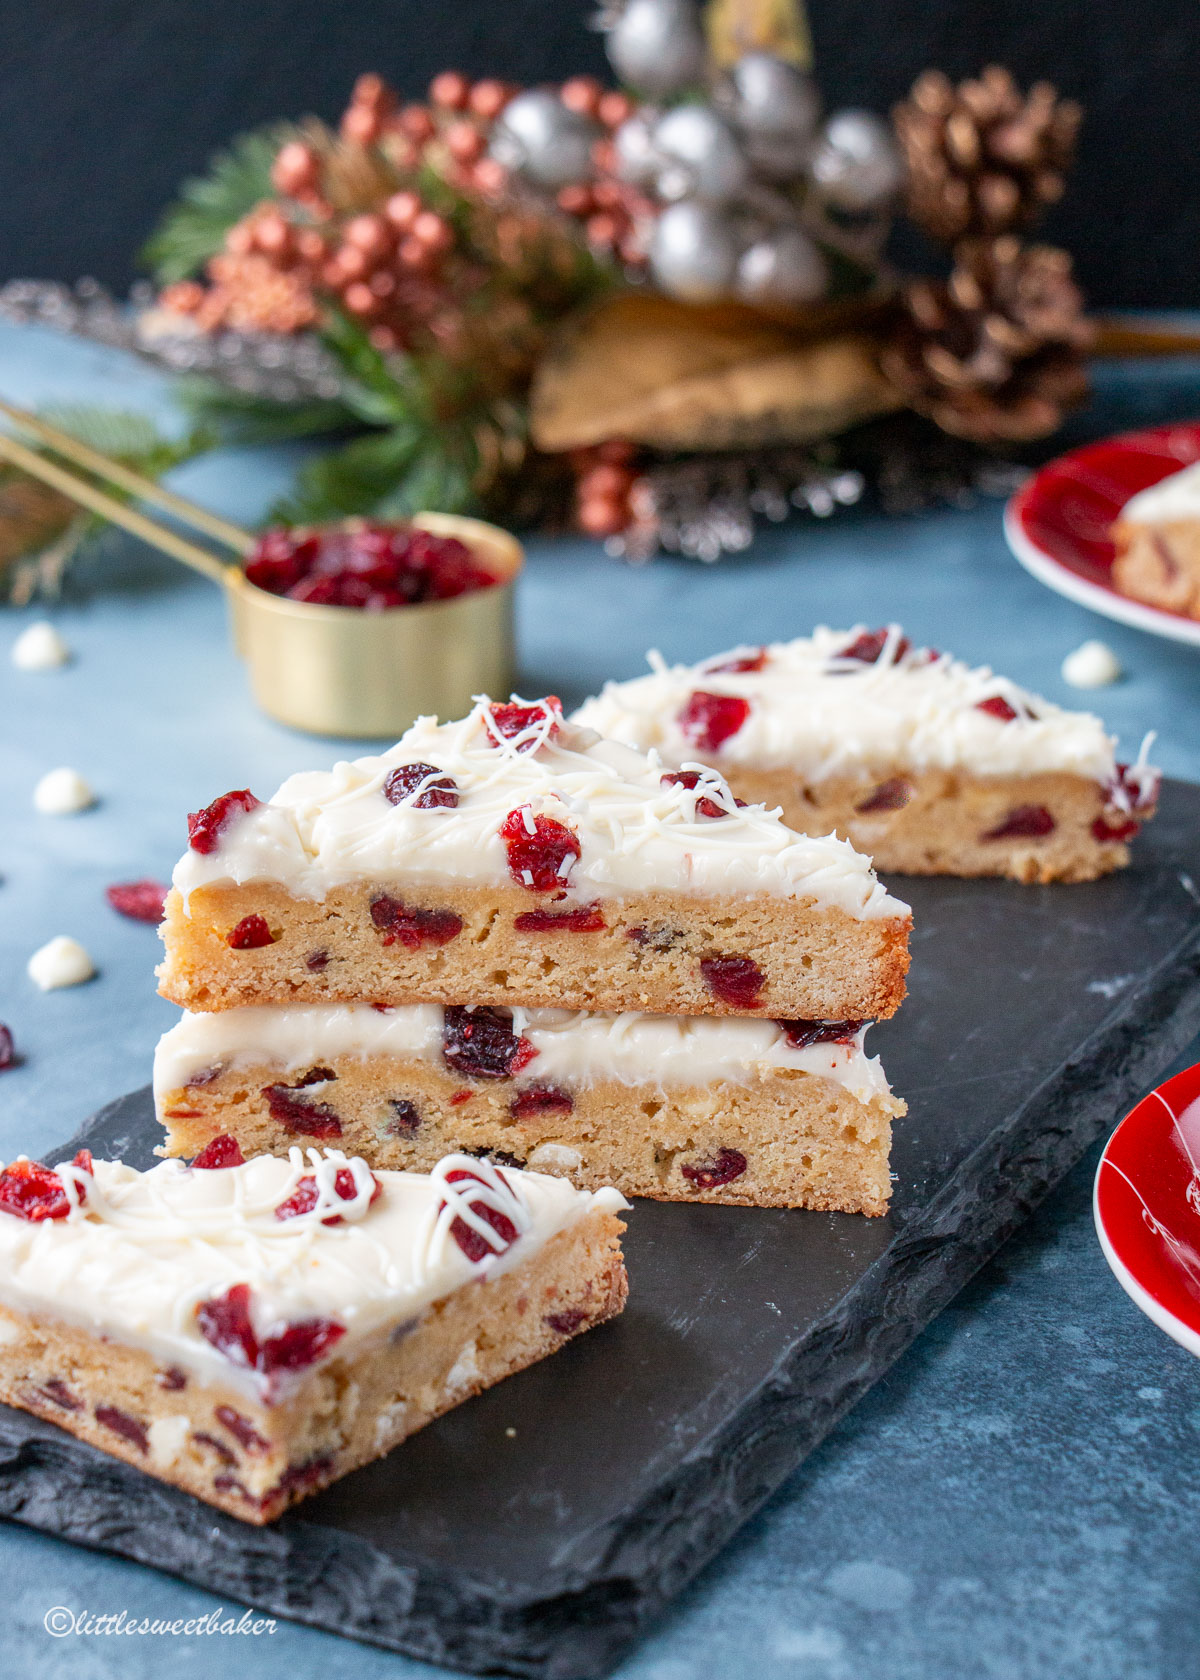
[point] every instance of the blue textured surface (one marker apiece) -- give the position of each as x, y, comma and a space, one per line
1018, 1497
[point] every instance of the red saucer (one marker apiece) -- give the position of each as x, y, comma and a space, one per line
1147, 1206
1057, 524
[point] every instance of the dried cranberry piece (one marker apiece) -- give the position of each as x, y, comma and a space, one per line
141, 901
133, 1429
892, 795
224, 1453
242, 1430
1133, 786
460, 1097
472, 1242
412, 928
304, 1197
541, 861
540, 1099
735, 980
172, 1378
725, 1166
305, 1475
250, 934
705, 807
56, 1391
441, 792
869, 646
481, 1044
584, 918
223, 1151
504, 723
8, 1050
567, 1322
301, 1114
405, 1117
316, 962
998, 707
800, 1034
1025, 822
224, 1322
709, 720
738, 663
300, 1345
498, 1158
279, 559
205, 1075
30, 1191
206, 827
1123, 829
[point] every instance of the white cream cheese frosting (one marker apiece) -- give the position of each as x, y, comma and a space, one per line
1174, 497
142, 1250
814, 710
573, 1048
329, 828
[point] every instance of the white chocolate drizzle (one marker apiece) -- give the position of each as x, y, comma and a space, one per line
823, 715
139, 1251
636, 833
573, 1048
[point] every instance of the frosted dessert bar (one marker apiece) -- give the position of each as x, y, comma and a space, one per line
251, 1331
1157, 538
511, 858
926, 764
758, 1112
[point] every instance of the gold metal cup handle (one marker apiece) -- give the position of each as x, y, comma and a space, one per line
337, 671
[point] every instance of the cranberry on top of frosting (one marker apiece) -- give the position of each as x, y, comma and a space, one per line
206, 827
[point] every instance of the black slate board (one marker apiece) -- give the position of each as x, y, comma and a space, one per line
1036, 1016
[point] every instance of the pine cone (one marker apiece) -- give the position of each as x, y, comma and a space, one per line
995, 354
981, 158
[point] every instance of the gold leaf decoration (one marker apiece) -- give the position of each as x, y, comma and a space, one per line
676, 376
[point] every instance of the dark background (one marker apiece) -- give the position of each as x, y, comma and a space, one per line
106, 104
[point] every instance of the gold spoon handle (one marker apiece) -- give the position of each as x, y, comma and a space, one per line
233, 536
89, 496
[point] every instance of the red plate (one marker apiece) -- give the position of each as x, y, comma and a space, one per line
1057, 524
1147, 1206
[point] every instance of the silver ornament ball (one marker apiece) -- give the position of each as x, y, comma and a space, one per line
774, 97
637, 158
537, 137
658, 47
856, 166
694, 252
703, 158
783, 267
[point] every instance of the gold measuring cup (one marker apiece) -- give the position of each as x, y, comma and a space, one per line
328, 670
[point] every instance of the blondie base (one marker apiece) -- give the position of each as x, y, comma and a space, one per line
669, 953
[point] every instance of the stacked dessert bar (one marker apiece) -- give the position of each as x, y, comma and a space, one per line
511, 937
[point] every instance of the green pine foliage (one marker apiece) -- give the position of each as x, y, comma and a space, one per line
193, 229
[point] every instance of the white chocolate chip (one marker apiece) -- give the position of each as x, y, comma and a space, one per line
168, 1437
61, 793
465, 1370
1092, 665
60, 962
39, 648
10, 1332
555, 1155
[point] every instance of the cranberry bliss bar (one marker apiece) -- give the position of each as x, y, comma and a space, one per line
930, 767
252, 1331
1157, 539
759, 1112
511, 858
